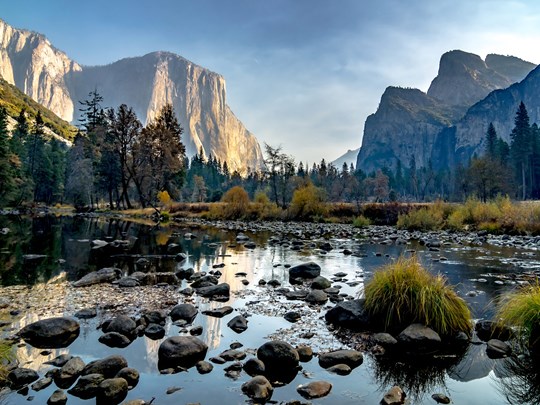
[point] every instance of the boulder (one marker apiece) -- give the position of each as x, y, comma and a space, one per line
60, 360
129, 374
394, 396
105, 275
321, 283
42, 383
186, 312
108, 367
317, 297
220, 290
157, 317
238, 324
308, 270
87, 386
315, 389
69, 372
232, 354
183, 351
86, 313
305, 353
121, 324
128, 282
278, 355
352, 358
384, 339
154, 331
51, 333
486, 330
112, 391
21, 376
205, 281
203, 367
114, 339
258, 389
219, 312
185, 274
497, 349
254, 367
292, 316
58, 397
350, 315
417, 337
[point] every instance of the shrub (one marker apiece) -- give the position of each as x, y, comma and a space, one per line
521, 308
237, 203
308, 202
361, 222
404, 292
424, 219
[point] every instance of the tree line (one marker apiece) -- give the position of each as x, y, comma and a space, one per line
116, 161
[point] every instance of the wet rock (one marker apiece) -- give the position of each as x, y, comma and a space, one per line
203, 367
185, 274
112, 391
196, 331
180, 257
232, 354
305, 353
122, 324
349, 314
250, 245
236, 366
254, 367
352, 358
394, 396
69, 372
258, 389
154, 331
326, 246
42, 383
183, 351
105, 275
316, 297
58, 397
108, 366
187, 291
315, 389
497, 349
87, 386
384, 339
308, 270
417, 337
59, 361
114, 339
157, 317
273, 283
220, 290
441, 398
485, 330
219, 312
186, 312
21, 376
296, 294
292, 316
321, 283
129, 374
128, 282
218, 360
278, 355
205, 281
86, 313
340, 369
238, 324
51, 333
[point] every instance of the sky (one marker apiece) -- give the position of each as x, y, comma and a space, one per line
301, 74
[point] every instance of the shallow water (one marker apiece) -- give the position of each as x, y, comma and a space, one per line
65, 242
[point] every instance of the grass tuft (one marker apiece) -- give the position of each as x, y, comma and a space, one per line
404, 292
6, 355
521, 308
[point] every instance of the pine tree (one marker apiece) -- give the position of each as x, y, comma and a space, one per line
491, 142
7, 183
521, 146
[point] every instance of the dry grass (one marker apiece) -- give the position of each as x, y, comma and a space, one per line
404, 292
521, 309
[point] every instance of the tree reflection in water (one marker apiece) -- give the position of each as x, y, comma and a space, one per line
523, 387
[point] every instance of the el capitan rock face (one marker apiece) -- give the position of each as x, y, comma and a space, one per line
29, 61
432, 126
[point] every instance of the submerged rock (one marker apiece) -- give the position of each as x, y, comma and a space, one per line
51, 333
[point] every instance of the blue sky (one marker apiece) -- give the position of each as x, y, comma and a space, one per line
303, 74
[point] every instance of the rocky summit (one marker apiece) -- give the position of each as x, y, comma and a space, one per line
29, 61
443, 126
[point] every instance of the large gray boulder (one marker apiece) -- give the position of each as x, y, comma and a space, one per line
112, 391
121, 324
278, 355
350, 315
214, 291
108, 367
52, 333
21, 376
417, 337
105, 275
69, 372
351, 358
186, 312
307, 270
183, 351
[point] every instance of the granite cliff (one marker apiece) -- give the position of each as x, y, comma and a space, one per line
409, 122
49, 76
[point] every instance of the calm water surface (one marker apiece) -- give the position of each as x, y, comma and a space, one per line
66, 249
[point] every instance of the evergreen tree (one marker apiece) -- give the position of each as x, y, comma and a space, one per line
521, 146
7, 183
491, 142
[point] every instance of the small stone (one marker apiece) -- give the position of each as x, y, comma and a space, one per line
258, 389
238, 324
340, 369
305, 353
394, 396
203, 367
441, 398
315, 389
58, 397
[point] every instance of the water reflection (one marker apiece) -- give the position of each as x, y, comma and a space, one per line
524, 385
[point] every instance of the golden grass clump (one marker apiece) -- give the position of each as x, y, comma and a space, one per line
404, 292
6, 355
521, 309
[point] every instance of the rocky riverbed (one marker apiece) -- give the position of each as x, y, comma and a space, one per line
156, 270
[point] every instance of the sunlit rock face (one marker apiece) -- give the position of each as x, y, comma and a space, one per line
431, 126
147, 83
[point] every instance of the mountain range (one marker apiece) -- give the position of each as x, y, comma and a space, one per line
29, 61
447, 125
